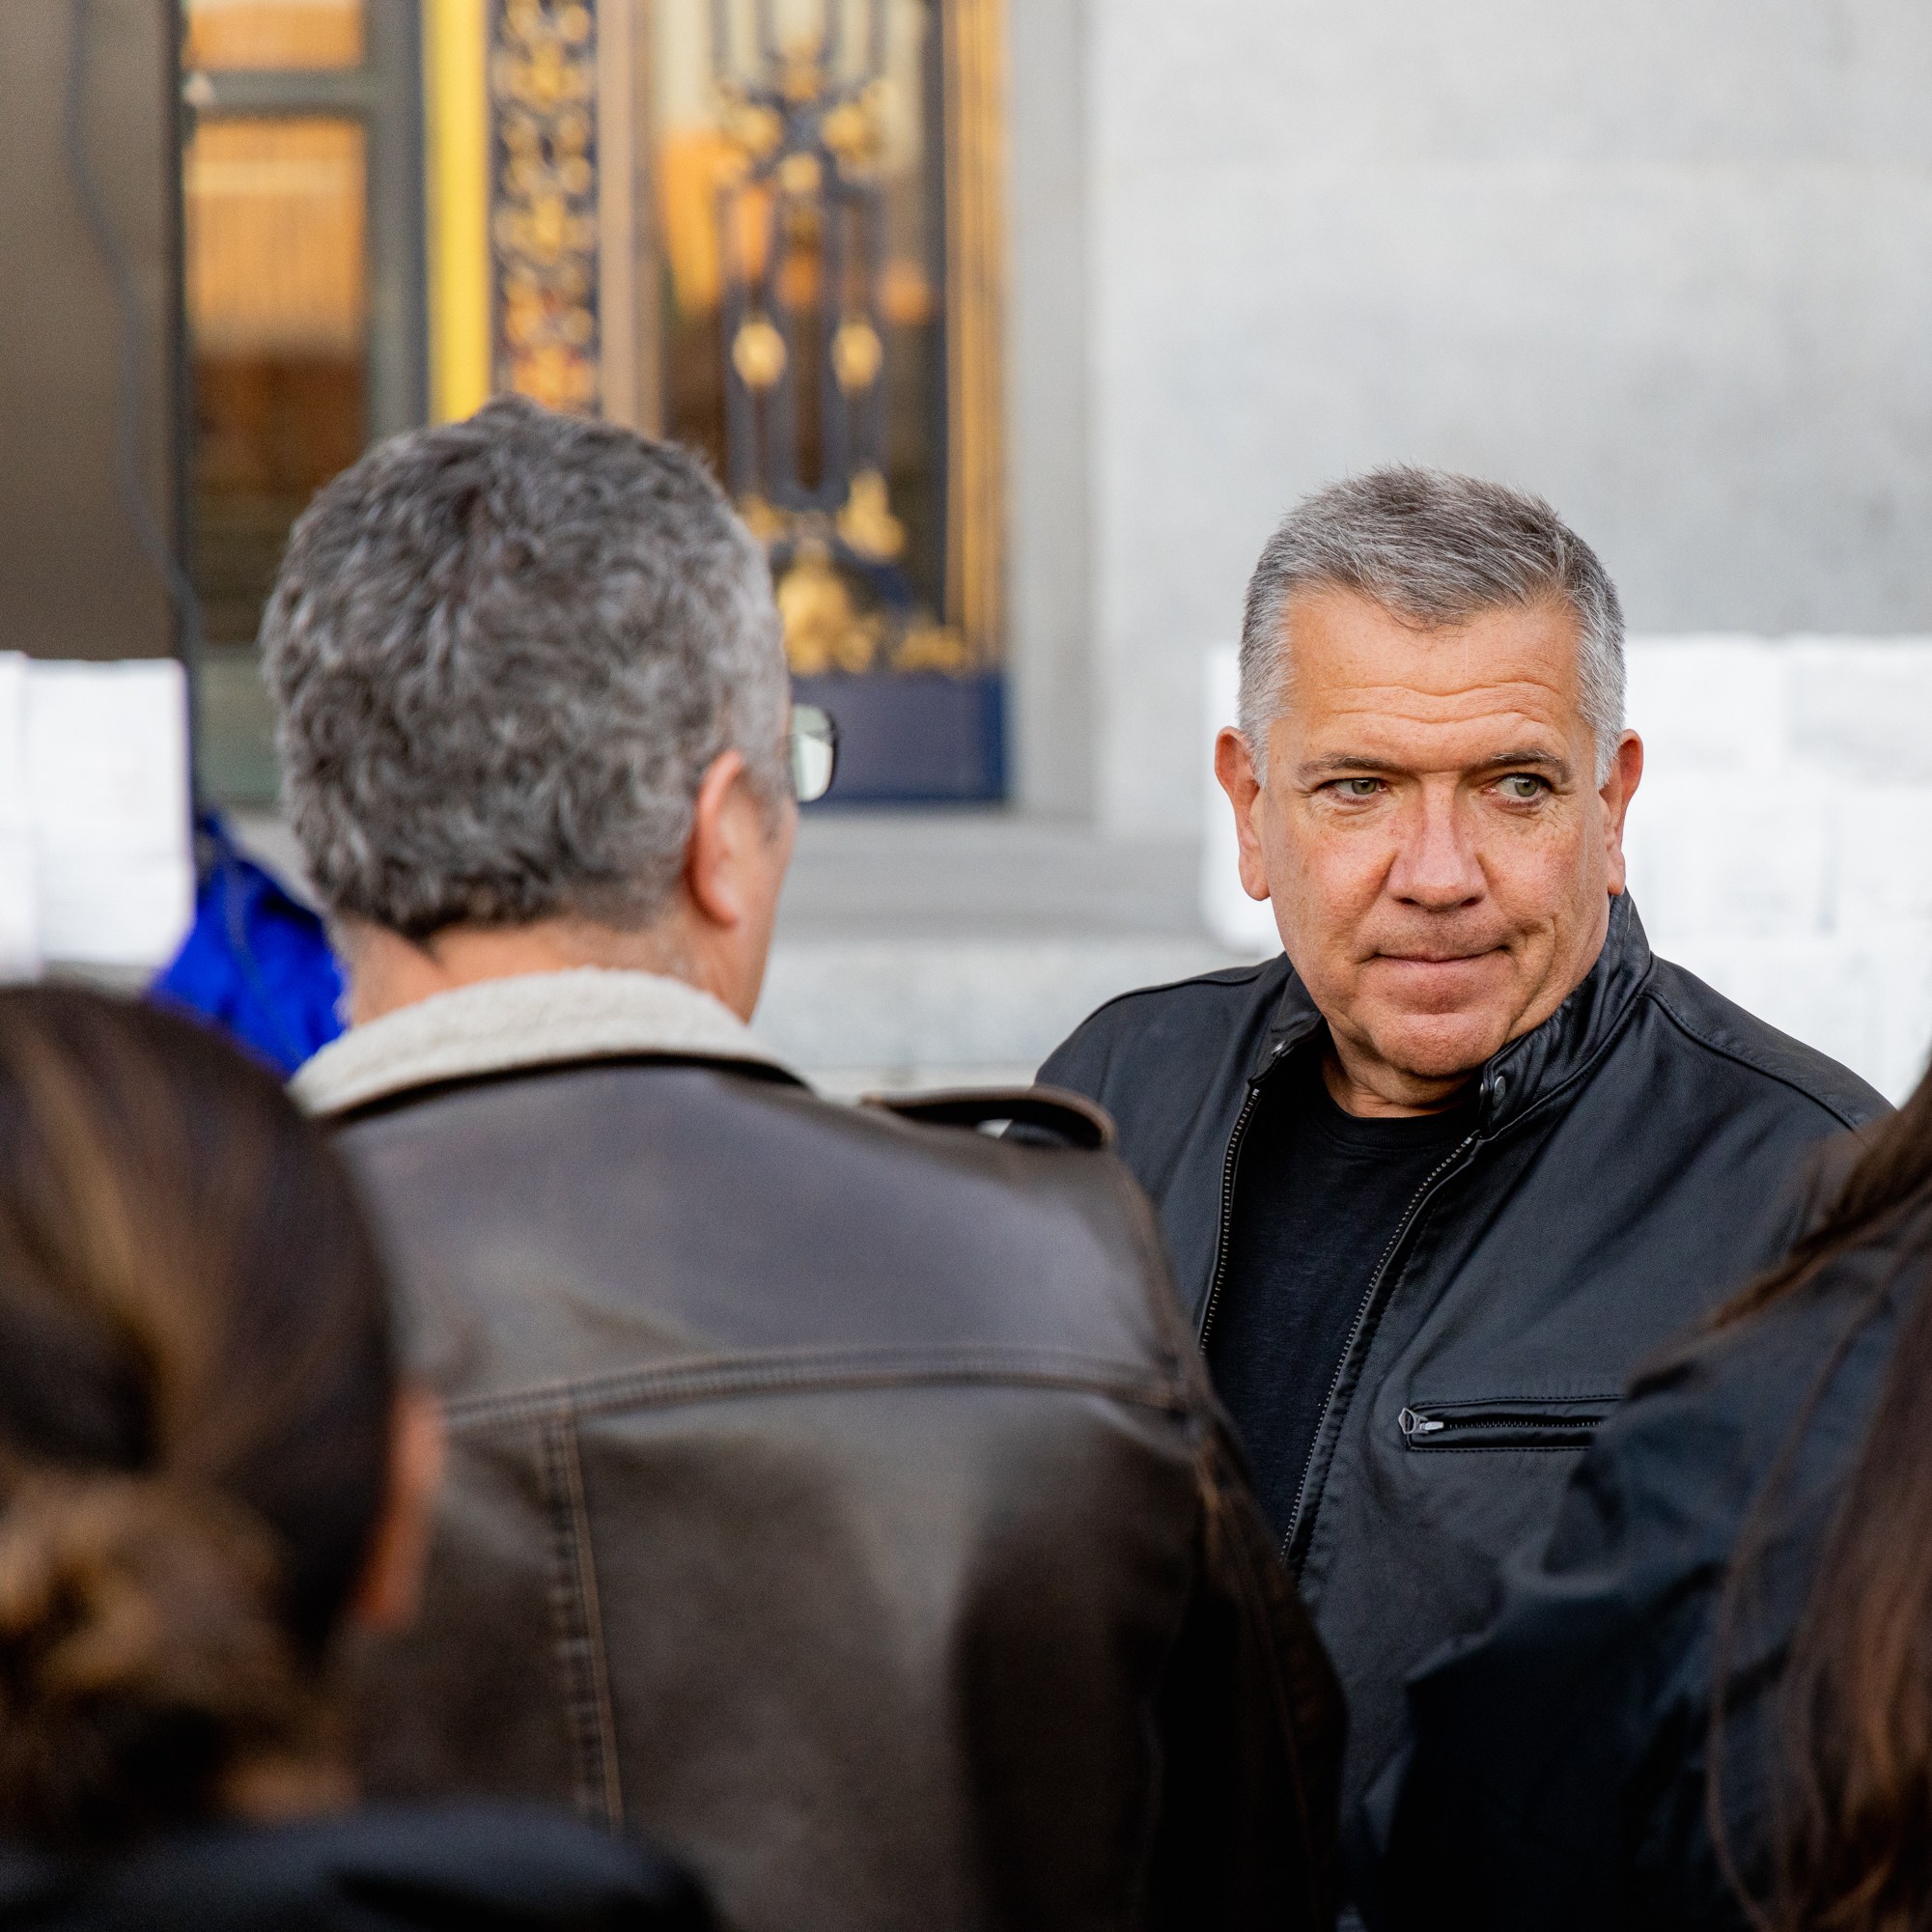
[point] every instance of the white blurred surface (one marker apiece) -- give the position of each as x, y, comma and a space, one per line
1780, 846
100, 776
19, 911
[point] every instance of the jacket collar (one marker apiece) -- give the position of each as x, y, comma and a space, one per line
1547, 1057
536, 1020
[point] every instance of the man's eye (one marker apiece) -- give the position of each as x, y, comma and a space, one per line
1521, 787
1357, 788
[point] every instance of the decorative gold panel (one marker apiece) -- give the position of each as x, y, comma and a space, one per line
828, 181
544, 201
773, 230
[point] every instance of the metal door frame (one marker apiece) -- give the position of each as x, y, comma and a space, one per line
385, 94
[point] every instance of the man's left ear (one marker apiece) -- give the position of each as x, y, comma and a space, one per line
1618, 789
725, 816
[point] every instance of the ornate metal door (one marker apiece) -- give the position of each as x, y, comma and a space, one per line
769, 228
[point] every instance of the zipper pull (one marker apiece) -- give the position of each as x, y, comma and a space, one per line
1413, 1423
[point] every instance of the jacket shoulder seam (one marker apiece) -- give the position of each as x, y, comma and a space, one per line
1739, 1057
1230, 976
403, 1100
716, 1376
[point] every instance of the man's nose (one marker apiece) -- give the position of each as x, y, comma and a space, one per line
1436, 865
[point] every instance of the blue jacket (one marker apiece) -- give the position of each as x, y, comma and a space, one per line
256, 964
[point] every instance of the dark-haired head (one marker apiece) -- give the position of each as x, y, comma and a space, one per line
197, 1422
1852, 1824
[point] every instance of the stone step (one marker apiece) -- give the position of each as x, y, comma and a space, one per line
880, 1014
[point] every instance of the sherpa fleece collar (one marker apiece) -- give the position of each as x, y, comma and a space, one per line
534, 1019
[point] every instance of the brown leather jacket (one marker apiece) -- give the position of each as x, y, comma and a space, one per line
833, 1496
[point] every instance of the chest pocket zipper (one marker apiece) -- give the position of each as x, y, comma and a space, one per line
1531, 1423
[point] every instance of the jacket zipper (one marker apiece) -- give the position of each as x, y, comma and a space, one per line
1228, 1166
1356, 1328
1530, 1424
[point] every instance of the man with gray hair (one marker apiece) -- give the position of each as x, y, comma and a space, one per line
1436, 1177
834, 1495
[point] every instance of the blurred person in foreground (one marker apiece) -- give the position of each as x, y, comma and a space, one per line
1741, 1578
1437, 1176
835, 1497
208, 1479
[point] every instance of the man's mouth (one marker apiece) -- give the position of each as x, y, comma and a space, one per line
1433, 959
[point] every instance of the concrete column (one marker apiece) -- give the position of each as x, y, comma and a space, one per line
1051, 640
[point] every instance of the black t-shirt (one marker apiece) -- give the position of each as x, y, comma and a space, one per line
1318, 1196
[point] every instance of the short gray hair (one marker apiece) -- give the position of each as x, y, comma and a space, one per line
503, 652
1432, 548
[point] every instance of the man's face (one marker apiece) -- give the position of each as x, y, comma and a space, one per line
1431, 833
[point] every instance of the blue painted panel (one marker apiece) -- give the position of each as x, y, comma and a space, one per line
914, 739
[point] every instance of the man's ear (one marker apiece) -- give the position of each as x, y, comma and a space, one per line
727, 821
735, 860
1234, 766
1618, 789
390, 1589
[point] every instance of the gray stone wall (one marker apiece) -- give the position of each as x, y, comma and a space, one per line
1668, 262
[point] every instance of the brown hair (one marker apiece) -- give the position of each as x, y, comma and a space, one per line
1852, 1819
195, 1393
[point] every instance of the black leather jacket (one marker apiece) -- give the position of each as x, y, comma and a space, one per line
835, 1497
1632, 1164
1559, 1763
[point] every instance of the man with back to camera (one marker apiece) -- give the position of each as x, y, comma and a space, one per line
837, 1498
1435, 1179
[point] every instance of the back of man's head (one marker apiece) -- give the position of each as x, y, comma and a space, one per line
504, 652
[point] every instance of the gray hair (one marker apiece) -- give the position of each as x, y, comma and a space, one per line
503, 652
1432, 548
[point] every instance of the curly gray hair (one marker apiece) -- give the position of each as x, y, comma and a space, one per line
1435, 548
503, 652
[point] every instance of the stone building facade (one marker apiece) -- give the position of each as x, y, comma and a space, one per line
1669, 264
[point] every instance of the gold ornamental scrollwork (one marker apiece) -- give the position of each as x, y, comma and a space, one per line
544, 201
828, 199
758, 352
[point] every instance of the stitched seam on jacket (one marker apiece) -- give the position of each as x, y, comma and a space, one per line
1505, 1401
1743, 1059
793, 1370
400, 1100
1223, 976
577, 1630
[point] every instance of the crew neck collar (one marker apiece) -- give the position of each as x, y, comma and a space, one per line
1381, 1132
